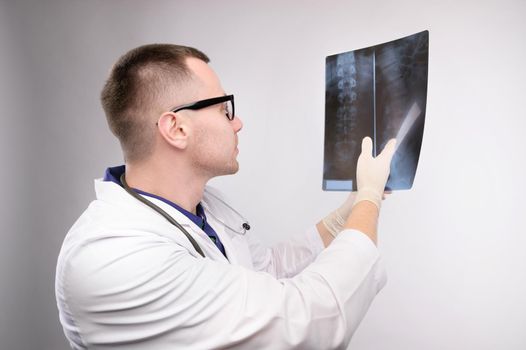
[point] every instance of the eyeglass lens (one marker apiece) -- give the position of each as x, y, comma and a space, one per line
229, 110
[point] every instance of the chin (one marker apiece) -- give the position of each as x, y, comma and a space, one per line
234, 169
230, 170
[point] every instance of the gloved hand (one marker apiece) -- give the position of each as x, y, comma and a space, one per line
372, 173
334, 221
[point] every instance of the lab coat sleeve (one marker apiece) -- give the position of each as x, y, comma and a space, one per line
141, 293
282, 260
288, 258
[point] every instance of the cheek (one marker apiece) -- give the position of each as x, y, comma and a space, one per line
216, 141
224, 137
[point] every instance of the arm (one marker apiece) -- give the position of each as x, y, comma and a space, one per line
139, 290
285, 259
136, 292
363, 217
360, 212
325, 235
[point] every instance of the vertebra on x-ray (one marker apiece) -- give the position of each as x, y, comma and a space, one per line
381, 92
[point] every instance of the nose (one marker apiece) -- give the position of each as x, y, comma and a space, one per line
237, 124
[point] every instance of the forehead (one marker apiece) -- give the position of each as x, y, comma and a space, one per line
209, 83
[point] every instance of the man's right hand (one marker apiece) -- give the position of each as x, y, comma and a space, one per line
372, 173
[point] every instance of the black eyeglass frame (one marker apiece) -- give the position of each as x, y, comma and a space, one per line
207, 103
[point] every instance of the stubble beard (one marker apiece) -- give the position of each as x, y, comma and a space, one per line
210, 165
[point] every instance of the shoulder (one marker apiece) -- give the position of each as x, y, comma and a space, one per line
109, 245
100, 242
101, 262
118, 275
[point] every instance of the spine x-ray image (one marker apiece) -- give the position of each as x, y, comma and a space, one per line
379, 91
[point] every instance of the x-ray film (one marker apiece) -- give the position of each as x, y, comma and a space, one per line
379, 91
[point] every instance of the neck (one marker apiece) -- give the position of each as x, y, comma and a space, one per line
170, 182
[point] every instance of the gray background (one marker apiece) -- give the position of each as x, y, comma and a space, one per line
454, 245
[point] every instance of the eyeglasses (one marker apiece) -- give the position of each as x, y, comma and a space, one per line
228, 108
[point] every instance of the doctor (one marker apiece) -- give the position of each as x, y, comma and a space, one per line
160, 260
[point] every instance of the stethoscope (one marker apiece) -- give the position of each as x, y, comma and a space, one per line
245, 225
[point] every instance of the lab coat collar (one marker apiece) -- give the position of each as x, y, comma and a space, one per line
114, 194
114, 174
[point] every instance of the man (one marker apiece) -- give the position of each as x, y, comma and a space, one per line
160, 261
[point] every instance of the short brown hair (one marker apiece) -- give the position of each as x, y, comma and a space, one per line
133, 90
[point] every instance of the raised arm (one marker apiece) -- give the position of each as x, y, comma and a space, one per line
361, 211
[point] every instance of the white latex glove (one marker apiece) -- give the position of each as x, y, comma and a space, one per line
334, 221
372, 173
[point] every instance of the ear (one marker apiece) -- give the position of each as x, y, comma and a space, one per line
174, 130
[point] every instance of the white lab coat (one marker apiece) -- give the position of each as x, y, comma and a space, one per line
128, 279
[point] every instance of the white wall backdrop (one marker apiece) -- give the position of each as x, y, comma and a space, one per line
454, 245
